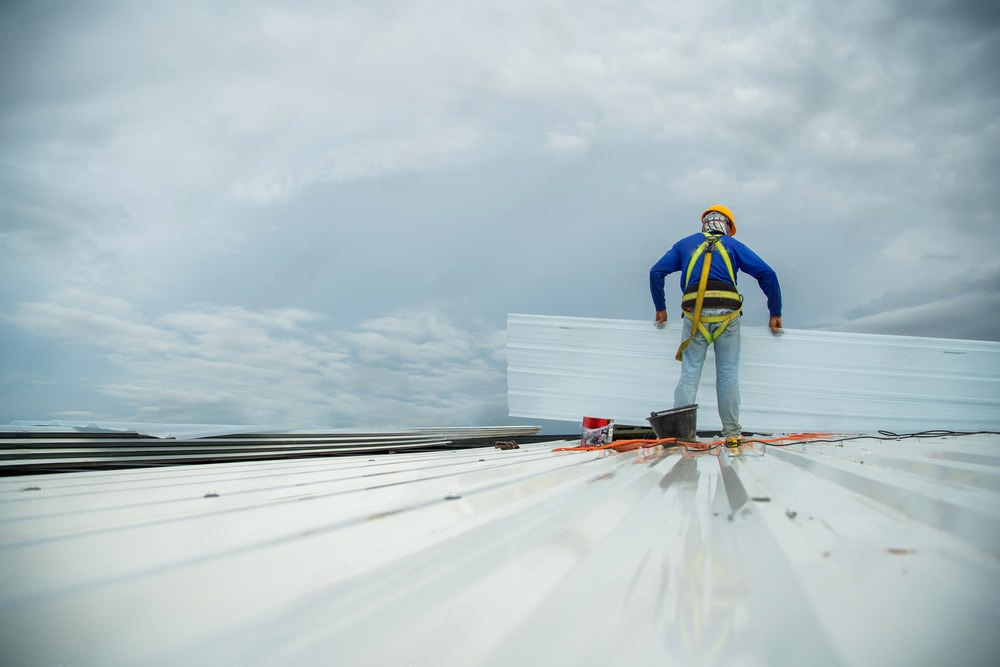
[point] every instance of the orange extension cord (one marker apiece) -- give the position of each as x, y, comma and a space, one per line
629, 445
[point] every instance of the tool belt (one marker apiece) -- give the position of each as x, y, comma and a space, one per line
718, 294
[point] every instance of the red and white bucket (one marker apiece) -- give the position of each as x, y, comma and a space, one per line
596, 431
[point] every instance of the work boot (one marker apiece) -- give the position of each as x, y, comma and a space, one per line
734, 440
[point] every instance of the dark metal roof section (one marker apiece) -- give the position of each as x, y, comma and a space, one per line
36, 450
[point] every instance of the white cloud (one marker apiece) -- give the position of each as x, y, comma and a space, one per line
283, 366
433, 149
708, 179
264, 190
571, 141
69, 318
562, 142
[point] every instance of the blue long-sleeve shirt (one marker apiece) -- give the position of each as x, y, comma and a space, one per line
743, 259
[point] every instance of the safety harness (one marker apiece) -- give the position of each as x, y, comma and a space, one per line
697, 321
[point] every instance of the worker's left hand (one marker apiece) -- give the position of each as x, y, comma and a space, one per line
775, 325
661, 319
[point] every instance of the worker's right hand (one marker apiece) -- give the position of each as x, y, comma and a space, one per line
775, 325
661, 319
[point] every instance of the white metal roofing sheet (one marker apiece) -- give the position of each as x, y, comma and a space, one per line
564, 368
859, 552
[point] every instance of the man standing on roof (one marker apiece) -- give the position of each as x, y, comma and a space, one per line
711, 305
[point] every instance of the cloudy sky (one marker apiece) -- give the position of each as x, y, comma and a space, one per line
320, 213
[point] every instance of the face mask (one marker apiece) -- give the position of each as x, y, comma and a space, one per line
715, 223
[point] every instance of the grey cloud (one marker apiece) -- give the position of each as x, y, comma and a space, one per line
960, 315
485, 158
980, 16
963, 304
46, 211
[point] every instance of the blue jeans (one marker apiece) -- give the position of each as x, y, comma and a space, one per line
727, 370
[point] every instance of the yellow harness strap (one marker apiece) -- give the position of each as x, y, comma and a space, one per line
697, 321
710, 241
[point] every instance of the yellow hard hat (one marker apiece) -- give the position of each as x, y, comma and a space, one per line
726, 212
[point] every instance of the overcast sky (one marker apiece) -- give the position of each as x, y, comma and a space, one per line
320, 213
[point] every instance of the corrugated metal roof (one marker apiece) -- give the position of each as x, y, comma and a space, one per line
860, 552
568, 367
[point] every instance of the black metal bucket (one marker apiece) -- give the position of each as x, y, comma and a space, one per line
680, 423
